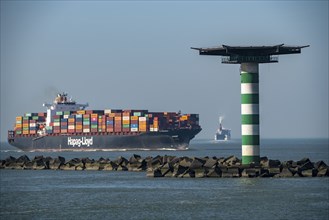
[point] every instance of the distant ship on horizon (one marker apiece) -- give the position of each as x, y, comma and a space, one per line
222, 134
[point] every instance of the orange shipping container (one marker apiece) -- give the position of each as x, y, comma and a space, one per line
134, 118
81, 112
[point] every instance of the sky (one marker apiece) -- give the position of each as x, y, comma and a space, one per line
136, 55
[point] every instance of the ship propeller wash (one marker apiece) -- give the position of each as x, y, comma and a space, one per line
69, 126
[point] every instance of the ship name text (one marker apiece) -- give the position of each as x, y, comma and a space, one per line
84, 141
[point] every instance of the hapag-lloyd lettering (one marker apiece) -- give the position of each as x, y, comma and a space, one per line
80, 141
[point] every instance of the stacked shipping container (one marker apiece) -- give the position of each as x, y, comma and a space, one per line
93, 121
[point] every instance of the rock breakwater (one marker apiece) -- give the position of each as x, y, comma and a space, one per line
172, 166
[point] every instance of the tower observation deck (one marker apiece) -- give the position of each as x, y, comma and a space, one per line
249, 58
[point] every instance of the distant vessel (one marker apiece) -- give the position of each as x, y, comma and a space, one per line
222, 134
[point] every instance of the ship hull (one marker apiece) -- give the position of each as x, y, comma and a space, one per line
176, 140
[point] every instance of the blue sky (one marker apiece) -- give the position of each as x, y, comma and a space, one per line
136, 55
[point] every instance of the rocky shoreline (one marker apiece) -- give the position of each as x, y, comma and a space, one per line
172, 166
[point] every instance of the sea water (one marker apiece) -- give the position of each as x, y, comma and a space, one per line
54, 194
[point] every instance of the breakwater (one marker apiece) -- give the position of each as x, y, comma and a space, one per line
172, 166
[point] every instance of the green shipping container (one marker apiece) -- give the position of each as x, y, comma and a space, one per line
57, 120
59, 113
93, 126
67, 113
26, 118
18, 132
35, 117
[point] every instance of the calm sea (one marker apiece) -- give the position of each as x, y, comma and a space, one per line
48, 194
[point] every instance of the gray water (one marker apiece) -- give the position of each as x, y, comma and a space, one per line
49, 194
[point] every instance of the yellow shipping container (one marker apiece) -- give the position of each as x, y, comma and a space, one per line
19, 118
94, 115
25, 125
18, 125
112, 115
81, 112
117, 118
26, 132
78, 126
135, 118
183, 118
126, 122
71, 119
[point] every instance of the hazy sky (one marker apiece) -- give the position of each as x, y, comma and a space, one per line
136, 55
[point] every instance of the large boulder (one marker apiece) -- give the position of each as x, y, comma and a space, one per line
10, 163
185, 161
56, 163
230, 171
285, 172
197, 163
179, 169
210, 163
251, 172
322, 168
167, 170
121, 161
231, 160
22, 160
40, 163
213, 172
73, 164
154, 173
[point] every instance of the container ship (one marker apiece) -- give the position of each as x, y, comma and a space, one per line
69, 126
222, 134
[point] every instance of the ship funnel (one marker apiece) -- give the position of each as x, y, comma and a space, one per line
220, 123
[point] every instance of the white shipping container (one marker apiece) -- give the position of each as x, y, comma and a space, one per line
86, 130
134, 129
142, 119
126, 118
156, 129
71, 127
107, 111
66, 116
151, 129
33, 125
56, 124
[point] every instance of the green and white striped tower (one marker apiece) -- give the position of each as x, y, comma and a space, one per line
249, 57
250, 113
